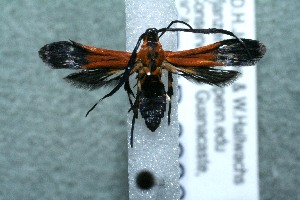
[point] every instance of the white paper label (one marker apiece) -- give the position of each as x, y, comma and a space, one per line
218, 126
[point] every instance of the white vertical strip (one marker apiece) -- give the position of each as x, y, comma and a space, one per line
155, 152
219, 159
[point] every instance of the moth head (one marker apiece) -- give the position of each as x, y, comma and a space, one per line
151, 35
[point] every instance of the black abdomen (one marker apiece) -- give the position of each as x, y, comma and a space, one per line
152, 101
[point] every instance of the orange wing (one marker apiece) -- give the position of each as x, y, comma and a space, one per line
99, 66
198, 57
198, 64
103, 58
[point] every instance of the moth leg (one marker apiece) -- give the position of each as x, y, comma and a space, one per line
132, 129
134, 109
170, 94
137, 66
130, 101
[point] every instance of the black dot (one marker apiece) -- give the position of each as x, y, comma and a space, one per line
145, 180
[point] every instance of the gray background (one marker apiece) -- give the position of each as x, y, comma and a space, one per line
49, 150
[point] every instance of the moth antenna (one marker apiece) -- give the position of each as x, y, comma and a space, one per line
163, 30
203, 31
125, 76
92, 108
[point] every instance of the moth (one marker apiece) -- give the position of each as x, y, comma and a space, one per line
98, 67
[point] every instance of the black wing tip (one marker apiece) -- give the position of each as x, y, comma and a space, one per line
46, 50
262, 49
256, 46
63, 54
51, 53
233, 53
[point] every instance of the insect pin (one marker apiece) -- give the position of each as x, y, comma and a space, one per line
102, 67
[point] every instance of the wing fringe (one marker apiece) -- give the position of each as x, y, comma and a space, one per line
94, 79
211, 76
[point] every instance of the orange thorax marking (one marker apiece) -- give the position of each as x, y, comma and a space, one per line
151, 55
